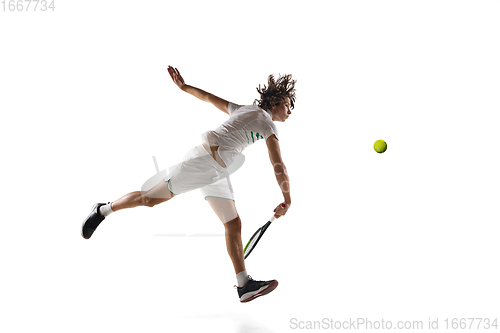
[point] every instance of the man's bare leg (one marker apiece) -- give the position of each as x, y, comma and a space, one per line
225, 209
158, 194
248, 288
234, 244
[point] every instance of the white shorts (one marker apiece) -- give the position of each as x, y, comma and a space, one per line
199, 170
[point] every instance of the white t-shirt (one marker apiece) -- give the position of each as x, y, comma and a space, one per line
247, 124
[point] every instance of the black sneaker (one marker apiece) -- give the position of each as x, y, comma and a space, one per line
253, 289
92, 221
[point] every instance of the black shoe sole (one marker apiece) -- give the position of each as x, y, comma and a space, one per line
270, 287
93, 217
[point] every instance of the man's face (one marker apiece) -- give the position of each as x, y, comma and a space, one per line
281, 112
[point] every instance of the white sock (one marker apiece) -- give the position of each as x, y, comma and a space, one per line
105, 210
242, 278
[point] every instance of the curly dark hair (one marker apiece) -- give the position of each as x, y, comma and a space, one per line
277, 91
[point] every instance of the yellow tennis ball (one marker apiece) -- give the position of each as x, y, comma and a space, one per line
380, 146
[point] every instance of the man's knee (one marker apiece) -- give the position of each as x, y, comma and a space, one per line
157, 194
234, 225
225, 209
148, 202
151, 202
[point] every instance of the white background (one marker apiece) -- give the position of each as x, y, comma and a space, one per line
411, 234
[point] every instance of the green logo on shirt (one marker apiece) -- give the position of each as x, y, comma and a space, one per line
254, 138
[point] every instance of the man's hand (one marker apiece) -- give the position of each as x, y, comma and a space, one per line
176, 77
218, 102
281, 210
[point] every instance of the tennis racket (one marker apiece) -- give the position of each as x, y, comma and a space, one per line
252, 243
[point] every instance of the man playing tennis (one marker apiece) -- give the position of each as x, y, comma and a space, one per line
207, 167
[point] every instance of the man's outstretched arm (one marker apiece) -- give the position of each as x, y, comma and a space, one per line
273, 147
218, 102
